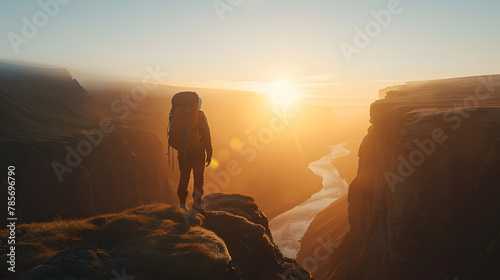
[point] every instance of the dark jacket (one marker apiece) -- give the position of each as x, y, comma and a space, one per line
205, 139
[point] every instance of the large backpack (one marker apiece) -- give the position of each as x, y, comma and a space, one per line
183, 134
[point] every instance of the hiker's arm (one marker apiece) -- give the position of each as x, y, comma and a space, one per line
205, 136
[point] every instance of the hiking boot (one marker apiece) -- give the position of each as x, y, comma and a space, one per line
199, 208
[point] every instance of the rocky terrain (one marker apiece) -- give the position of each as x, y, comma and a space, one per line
425, 202
231, 241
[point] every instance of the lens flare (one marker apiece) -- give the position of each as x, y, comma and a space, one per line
214, 164
236, 144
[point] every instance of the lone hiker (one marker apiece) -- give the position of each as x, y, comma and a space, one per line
189, 134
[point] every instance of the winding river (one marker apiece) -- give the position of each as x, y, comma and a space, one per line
289, 227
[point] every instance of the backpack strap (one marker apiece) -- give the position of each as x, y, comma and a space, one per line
186, 142
170, 116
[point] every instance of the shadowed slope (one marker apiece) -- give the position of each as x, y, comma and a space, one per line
324, 233
67, 164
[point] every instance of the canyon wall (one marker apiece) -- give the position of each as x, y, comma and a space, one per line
425, 202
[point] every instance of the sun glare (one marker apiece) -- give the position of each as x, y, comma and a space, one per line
282, 92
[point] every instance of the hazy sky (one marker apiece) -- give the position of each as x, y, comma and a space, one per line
260, 41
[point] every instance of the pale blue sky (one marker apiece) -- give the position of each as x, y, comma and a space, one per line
261, 41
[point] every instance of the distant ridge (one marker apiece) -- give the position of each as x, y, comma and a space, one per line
43, 105
466, 79
460, 85
19, 72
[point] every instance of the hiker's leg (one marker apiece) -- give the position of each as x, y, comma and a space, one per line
198, 169
185, 169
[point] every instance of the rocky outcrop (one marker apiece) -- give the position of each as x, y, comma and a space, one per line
73, 158
231, 241
424, 204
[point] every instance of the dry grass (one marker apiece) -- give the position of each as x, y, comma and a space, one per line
154, 237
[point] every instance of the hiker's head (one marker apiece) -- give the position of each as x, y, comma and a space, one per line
199, 103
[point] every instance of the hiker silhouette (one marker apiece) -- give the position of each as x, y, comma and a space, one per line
189, 134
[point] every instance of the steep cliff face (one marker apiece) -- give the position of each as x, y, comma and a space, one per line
230, 242
424, 204
324, 234
72, 157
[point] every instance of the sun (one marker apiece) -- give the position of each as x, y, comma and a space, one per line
282, 92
